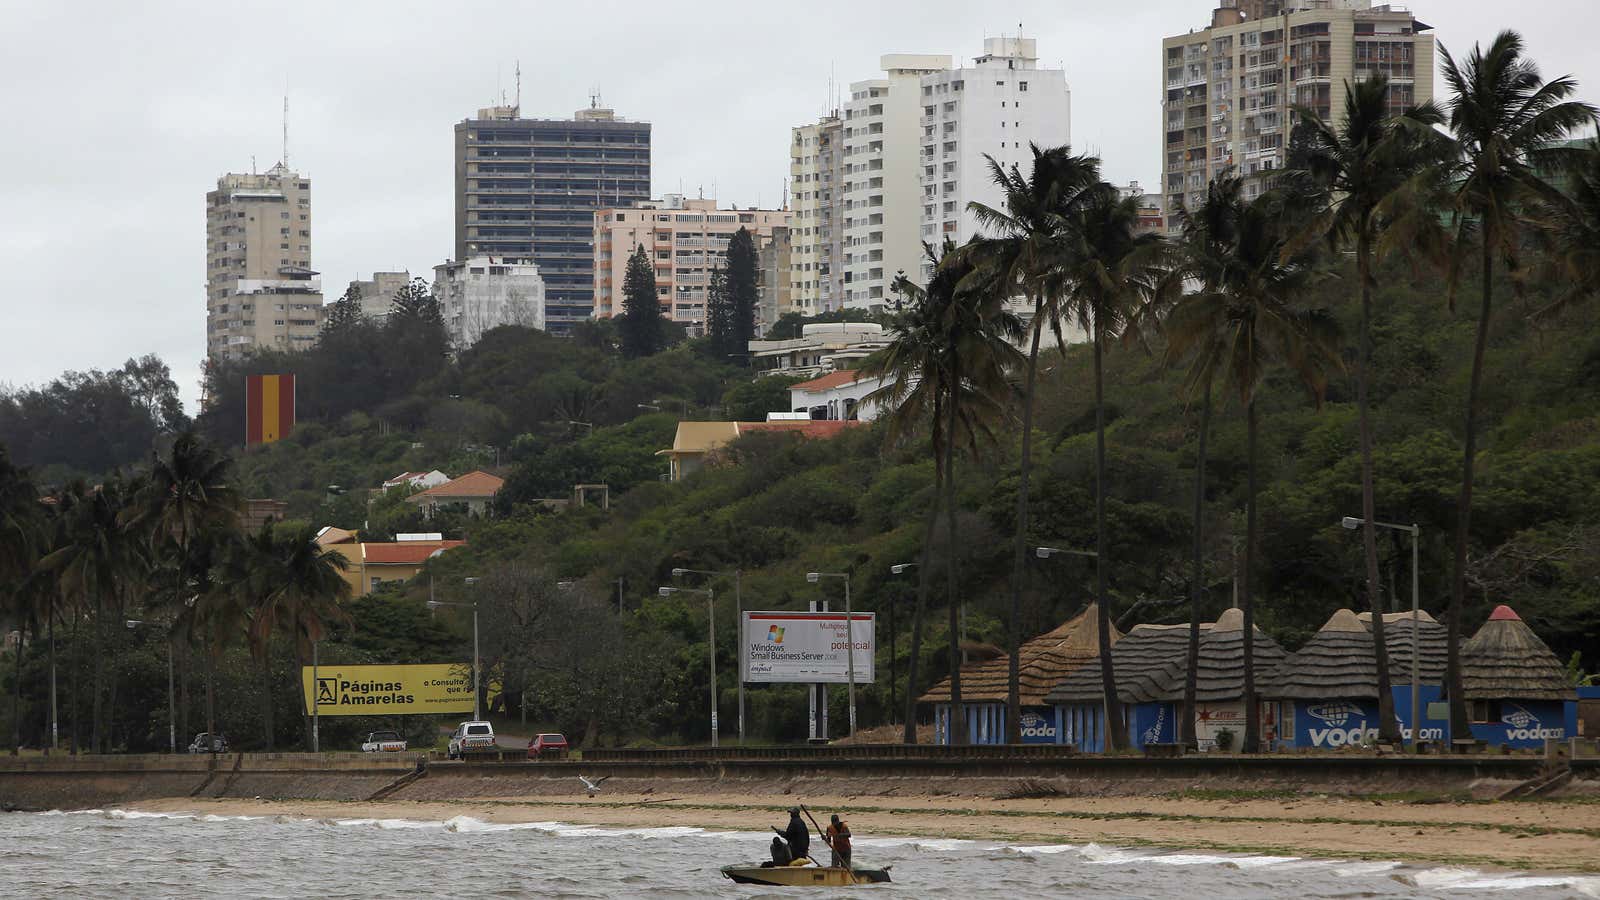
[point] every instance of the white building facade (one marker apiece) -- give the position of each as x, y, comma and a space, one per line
485, 292
882, 196
994, 108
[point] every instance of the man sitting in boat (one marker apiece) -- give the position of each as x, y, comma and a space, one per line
838, 838
780, 854
798, 837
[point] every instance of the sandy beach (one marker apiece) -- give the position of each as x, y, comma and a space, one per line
1541, 836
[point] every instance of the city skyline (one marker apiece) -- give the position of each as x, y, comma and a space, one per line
106, 222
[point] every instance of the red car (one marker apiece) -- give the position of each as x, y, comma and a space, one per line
546, 743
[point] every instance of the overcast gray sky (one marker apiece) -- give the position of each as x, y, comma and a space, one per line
120, 116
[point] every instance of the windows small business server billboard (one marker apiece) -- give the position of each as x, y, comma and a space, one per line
806, 647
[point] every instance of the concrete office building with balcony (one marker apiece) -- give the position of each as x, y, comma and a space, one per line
882, 178
816, 191
260, 290
994, 108
527, 191
1231, 89
685, 239
377, 293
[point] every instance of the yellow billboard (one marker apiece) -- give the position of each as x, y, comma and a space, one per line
387, 690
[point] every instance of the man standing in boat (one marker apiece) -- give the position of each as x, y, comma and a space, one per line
838, 839
797, 836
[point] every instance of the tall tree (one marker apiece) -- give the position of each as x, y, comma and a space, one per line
1249, 323
949, 361
1373, 175
1570, 232
1506, 119
640, 325
187, 494
1026, 250
21, 538
719, 325
345, 313
1112, 271
743, 266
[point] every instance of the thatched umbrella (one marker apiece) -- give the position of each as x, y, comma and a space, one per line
1221, 675
1505, 660
1337, 663
1043, 662
1141, 662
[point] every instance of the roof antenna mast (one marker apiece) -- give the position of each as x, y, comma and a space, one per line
286, 128
519, 87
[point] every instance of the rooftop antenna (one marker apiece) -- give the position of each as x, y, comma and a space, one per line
519, 86
594, 97
286, 129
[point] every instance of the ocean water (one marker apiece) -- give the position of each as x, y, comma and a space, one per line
116, 853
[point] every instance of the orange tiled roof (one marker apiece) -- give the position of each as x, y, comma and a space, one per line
404, 553
472, 484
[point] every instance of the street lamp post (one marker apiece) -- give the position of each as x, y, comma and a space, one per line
477, 662
849, 640
172, 707
896, 569
738, 618
711, 618
1352, 523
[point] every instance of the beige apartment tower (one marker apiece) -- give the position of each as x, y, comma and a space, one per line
261, 292
816, 195
1231, 89
685, 239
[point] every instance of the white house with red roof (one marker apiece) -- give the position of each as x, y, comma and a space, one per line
474, 491
837, 397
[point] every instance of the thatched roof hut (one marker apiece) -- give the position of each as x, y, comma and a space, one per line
1140, 662
1506, 660
1338, 662
1044, 661
1434, 649
1221, 675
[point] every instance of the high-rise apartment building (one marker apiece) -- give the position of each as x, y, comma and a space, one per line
992, 109
774, 281
486, 292
1231, 88
685, 239
816, 192
882, 178
261, 292
527, 191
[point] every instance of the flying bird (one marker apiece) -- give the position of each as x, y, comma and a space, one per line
593, 787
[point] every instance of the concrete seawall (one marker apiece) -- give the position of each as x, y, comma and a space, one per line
96, 781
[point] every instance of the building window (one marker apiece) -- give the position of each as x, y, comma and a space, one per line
1022, 85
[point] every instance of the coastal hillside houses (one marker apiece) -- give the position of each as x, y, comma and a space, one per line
1042, 663
1144, 662
822, 347
841, 395
695, 443
371, 564
473, 493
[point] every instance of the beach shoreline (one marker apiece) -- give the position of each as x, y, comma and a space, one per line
1542, 836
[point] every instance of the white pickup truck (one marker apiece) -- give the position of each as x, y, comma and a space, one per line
383, 742
470, 737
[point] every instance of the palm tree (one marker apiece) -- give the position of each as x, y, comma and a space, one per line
21, 534
96, 563
1111, 271
946, 367
187, 493
1239, 328
1570, 231
1373, 176
1505, 118
288, 583
1025, 252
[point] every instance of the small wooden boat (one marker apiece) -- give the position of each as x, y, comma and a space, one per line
804, 876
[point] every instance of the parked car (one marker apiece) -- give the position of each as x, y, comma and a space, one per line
470, 737
206, 743
546, 743
383, 742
